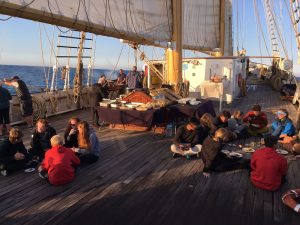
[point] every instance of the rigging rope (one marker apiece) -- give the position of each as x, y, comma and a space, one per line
43, 58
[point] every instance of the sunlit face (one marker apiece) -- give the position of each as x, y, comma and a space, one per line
40, 127
134, 68
256, 113
280, 116
224, 119
191, 126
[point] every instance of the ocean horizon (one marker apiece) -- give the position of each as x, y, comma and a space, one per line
35, 76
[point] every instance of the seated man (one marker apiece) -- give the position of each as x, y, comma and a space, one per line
257, 121
40, 139
283, 125
186, 140
13, 154
268, 168
235, 124
59, 163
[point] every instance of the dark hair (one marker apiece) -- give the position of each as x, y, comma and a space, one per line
270, 141
69, 127
256, 108
194, 121
225, 113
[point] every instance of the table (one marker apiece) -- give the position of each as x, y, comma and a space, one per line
146, 118
189, 111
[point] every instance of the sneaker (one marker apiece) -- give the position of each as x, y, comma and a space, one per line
43, 174
4, 173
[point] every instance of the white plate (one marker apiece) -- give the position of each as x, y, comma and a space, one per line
29, 170
282, 152
225, 151
235, 154
246, 149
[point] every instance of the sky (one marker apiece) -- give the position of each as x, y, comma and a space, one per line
24, 42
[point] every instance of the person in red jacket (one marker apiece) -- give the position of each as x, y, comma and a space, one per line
268, 168
257, 121
59, 163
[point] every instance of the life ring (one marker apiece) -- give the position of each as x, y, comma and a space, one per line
289, 198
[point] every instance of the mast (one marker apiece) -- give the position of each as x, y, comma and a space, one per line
222, 26
174, 54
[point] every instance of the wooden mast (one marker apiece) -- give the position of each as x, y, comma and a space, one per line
222, 26
174, 54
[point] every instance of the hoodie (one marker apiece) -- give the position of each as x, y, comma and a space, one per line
60, 163
267, 169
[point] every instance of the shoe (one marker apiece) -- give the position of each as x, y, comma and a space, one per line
43, 174
175, 155
4, 173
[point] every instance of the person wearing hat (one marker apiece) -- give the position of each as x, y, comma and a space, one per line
5, 97
24, 98
282, 126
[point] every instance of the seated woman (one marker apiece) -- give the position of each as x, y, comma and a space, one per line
13, 154
283, 125
59, 163
88, 144
40, 139
235, 124
187, 139
257, 121
207, 121
214, 159
71, 133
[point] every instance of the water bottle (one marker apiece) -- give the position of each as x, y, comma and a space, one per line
169, 130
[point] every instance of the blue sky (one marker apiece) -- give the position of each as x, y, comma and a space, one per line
20, 39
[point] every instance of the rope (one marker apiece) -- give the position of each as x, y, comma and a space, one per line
43, 58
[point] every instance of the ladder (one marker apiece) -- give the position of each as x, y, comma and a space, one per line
271, 28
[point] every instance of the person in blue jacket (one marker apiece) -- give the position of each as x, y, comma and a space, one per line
283, 125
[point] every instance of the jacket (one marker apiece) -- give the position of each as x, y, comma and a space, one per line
260, 121
5, 96
267, 169
210, 150
287, 126
60, 163
8, 151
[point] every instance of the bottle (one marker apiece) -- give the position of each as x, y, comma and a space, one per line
169, 130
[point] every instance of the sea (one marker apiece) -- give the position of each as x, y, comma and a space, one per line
35, 76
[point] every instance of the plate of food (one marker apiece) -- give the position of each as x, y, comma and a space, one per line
248, 150
225, 151
282, 152
235, 154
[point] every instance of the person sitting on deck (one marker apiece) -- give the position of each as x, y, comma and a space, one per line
257, 121
235, 124
283, 125
268, 168
13, 154
292, 144
40, 139
187, 139
59, 164
88, 144
214, 159
207, 121
222, 120
71, 133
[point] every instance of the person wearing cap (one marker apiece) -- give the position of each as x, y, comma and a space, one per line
283, 125
187, 139
5, 97
24, 98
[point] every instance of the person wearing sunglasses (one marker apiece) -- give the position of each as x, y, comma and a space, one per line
71, 132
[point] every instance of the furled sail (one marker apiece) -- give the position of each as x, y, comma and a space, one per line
202, 27
146, 22
143, 21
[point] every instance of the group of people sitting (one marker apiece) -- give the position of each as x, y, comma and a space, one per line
58, 159
205, 138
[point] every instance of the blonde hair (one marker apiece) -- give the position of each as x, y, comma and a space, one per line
15, 134
221, 133
237, 113
56, 140
208, 121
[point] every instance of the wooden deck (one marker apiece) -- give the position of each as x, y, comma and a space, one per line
136, 181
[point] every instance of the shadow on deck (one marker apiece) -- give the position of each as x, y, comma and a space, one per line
136, 181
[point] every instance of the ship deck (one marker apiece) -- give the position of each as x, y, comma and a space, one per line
136, 181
